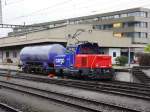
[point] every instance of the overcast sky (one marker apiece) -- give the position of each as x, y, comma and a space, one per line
37, 11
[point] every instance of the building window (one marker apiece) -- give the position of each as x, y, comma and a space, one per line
114, 54
103, 27
110, 17
96, 19
144, 14
7, 54
144, 24
138, 14
104, 18
128, 34
135, 34
131, 14
123, 15
14, 54
117, 34
143, 35
97, 27
116, 16
107, 26
135, 24
117, 25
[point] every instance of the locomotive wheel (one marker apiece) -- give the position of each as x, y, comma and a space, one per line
59, 73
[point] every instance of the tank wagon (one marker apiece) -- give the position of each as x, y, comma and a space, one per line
39, 59
81, 60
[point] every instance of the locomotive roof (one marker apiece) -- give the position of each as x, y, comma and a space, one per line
81, 43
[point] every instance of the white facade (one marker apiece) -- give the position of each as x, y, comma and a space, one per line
114, 52
10, 54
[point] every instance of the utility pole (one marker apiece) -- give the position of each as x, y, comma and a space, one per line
129, 56
1, 17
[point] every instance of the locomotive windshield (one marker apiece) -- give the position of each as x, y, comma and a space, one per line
89, 48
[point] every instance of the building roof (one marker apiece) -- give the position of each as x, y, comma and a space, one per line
95, 15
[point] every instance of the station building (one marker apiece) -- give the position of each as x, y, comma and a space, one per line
117, 33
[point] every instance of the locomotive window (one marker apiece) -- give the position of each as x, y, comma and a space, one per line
89, 48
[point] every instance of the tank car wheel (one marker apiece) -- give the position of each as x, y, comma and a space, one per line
24, 70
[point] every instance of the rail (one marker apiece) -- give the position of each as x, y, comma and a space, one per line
140, 75
67, 99
8, 108
115, 87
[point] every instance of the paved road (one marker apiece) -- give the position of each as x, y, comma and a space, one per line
124, 76
147, 72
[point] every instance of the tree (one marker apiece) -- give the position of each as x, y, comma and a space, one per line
147, 48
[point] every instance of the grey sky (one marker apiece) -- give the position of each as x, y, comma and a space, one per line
35, 11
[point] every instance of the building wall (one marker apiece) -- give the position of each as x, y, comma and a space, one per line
139, 33
104, 38
13, 56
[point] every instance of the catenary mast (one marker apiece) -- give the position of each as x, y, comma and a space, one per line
1, 12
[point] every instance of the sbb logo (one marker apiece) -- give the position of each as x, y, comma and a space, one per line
61, 61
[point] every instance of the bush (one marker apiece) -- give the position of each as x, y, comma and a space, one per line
121, 60
147, 48
9, 60
144, 59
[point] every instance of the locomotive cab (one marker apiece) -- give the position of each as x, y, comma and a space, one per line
92, 64
88, 48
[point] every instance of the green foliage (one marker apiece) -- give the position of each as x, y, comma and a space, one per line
121, 60
147, 48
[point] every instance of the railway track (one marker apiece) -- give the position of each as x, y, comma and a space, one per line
89, 105
6, 108
140, 75
116, 87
